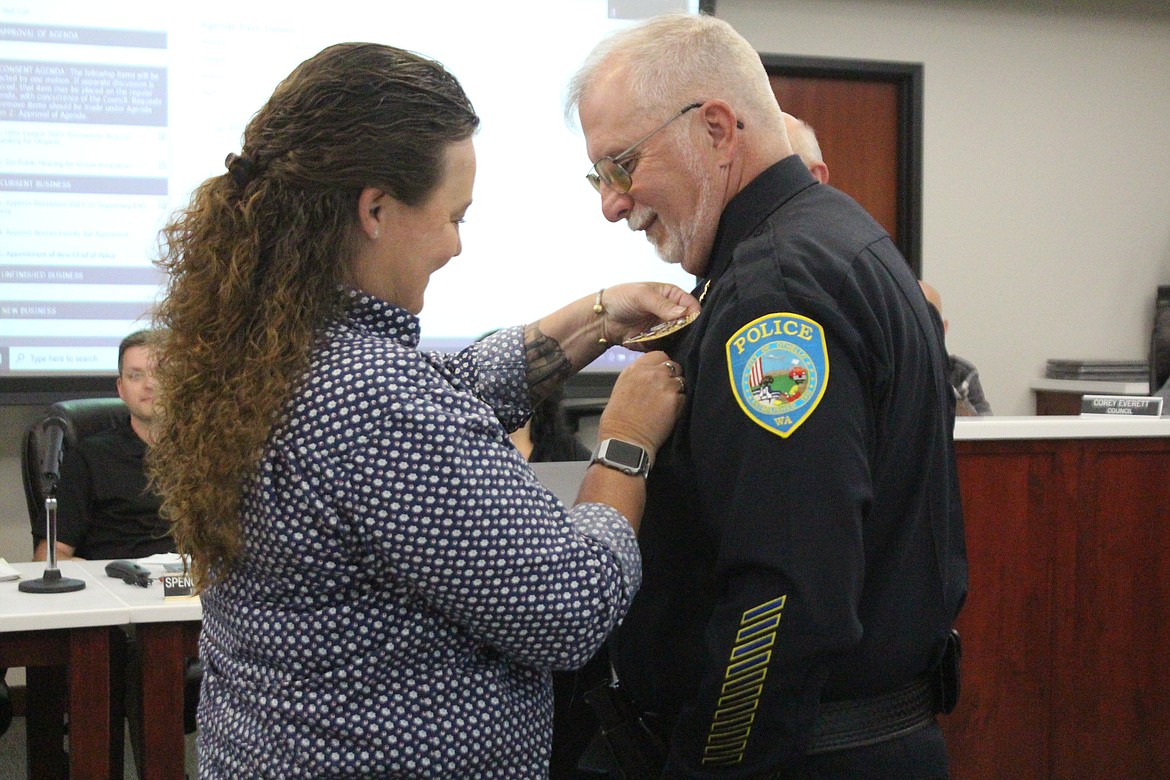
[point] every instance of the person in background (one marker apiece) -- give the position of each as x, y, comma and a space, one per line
970, 400
105, 508
1163, 392
803, 550
385, 583
804, 143
548, 437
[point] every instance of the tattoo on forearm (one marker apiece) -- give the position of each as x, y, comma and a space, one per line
548, 365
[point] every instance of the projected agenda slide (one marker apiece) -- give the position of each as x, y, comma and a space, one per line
111, 114
83, 182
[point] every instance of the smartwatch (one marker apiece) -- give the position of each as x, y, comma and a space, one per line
623, 456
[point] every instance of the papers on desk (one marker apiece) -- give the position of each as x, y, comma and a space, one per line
1099, 370
7, 573
168, 561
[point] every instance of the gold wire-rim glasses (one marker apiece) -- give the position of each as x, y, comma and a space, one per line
609, 170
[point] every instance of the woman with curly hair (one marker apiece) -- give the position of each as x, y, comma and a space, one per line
385, 584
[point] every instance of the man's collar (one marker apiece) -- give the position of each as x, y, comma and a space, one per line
752, 205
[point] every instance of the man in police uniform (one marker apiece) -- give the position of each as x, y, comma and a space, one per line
803, 545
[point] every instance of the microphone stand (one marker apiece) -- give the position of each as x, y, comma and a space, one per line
52, 581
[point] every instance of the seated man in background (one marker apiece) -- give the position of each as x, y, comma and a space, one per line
105, 508
969, 398
548, 437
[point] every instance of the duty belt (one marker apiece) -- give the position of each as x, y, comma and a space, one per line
853, 723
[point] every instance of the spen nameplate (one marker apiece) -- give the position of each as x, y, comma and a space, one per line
1123, 405
177, 586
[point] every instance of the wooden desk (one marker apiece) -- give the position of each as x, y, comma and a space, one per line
49, 632
167, 633
1065, 632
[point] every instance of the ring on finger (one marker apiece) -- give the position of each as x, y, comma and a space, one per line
669, 367
682, 384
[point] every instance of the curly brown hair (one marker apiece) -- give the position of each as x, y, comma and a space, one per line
258, 262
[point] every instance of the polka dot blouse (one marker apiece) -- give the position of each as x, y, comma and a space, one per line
407, 583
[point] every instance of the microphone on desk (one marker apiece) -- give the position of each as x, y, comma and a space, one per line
53, 432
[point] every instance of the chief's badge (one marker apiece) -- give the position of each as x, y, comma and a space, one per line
779, 369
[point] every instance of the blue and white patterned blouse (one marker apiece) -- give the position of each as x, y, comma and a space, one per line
407, 582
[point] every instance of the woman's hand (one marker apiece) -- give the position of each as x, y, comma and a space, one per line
630, 309
560, 344
645, 403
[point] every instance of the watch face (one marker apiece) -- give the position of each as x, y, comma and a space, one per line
625, 453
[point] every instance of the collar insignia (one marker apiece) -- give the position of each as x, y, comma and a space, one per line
779, 369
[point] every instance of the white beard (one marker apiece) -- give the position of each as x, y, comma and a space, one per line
688, 243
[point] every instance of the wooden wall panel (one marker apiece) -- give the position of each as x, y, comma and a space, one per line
856, 123
1112, 675
1006, 624
1066, 667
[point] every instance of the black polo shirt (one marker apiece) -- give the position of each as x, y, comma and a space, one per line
104, 507
813, 550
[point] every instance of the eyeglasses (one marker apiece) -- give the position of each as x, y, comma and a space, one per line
609, 170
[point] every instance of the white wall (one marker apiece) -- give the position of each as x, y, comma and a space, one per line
1046, 178
1046, 209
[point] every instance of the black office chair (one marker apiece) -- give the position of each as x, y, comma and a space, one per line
81, 417
1160, 341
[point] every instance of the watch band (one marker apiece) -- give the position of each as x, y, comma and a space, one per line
623, 456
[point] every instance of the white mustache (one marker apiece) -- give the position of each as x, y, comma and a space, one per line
640, 220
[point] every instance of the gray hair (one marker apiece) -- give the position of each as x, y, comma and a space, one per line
804, 141
673, 59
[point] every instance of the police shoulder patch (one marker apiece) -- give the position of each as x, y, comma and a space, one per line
779, 369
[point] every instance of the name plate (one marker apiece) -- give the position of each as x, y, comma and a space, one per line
177, 586
1123, 405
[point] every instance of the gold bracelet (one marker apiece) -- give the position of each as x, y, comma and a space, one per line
599, 310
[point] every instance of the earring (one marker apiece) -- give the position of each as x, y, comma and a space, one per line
377, 233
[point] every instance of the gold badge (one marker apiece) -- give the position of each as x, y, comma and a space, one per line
661, 330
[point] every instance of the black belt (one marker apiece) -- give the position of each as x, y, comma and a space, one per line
853, 723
